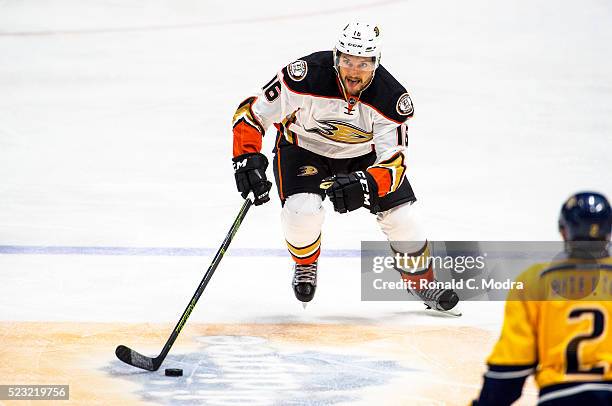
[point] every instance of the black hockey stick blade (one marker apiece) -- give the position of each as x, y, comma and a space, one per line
136, 359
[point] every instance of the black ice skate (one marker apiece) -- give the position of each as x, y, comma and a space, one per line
443, 300
305, 281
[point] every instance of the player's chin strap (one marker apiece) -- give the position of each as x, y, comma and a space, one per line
344, 92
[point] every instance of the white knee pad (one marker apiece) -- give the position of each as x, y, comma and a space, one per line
302, 218
402, 226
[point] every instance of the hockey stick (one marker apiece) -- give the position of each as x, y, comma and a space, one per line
138, 360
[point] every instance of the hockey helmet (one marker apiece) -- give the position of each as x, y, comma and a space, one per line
359, 39
586, 216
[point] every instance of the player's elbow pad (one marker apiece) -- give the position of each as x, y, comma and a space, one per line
389, 173
248, 130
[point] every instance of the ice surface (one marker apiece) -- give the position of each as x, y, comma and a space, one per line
115, 132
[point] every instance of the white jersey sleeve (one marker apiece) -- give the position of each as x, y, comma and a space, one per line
254, 116
389, 170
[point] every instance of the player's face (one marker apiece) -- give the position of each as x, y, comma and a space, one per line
355, 72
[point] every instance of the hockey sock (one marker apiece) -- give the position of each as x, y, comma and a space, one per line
302, 218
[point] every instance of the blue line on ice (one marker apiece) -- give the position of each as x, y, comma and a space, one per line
158, 251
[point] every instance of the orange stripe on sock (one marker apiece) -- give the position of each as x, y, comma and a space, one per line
426, 274
308, 260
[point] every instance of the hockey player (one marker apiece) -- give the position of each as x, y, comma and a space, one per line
558, 327
341, 121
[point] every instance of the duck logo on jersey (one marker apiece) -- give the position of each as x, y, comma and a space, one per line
307, 170
297, 70
404, 105
340, 131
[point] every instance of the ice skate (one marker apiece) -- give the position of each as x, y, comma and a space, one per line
442, 300
305, 281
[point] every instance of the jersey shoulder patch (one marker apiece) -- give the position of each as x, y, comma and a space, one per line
313, 74
404, 105
297, 70
386, 95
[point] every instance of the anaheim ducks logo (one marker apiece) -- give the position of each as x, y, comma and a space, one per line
340, 131
307, 170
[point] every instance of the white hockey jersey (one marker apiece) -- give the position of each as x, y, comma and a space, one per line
307, 104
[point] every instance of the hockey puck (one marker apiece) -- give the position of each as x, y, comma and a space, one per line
174, 372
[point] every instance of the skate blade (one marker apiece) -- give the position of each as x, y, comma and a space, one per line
304, 304
452, 312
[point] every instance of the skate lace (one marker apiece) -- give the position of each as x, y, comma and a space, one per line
430, 294
305, 274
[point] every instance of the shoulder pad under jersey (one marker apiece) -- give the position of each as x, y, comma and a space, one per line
388, 97
313, 74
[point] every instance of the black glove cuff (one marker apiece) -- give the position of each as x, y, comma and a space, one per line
370, 196
250, 161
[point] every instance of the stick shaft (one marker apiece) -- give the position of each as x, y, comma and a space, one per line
207, 276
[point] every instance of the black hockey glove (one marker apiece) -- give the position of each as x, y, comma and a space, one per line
250, 173
352, 191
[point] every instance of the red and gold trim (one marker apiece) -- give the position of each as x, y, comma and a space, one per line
248, 131
283, 127
305, 255
389, 173
416, 266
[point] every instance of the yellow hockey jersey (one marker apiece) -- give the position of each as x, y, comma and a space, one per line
557, 327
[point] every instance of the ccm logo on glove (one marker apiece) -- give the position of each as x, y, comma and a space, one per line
250, 174
351, 191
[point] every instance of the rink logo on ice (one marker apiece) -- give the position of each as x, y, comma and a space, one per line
244, 370
298, 70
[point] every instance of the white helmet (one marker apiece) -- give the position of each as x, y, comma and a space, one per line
359, 39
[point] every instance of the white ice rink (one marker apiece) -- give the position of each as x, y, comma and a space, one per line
115, 133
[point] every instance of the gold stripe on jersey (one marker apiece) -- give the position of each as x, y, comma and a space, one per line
561, 322
245, 113
289, 135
